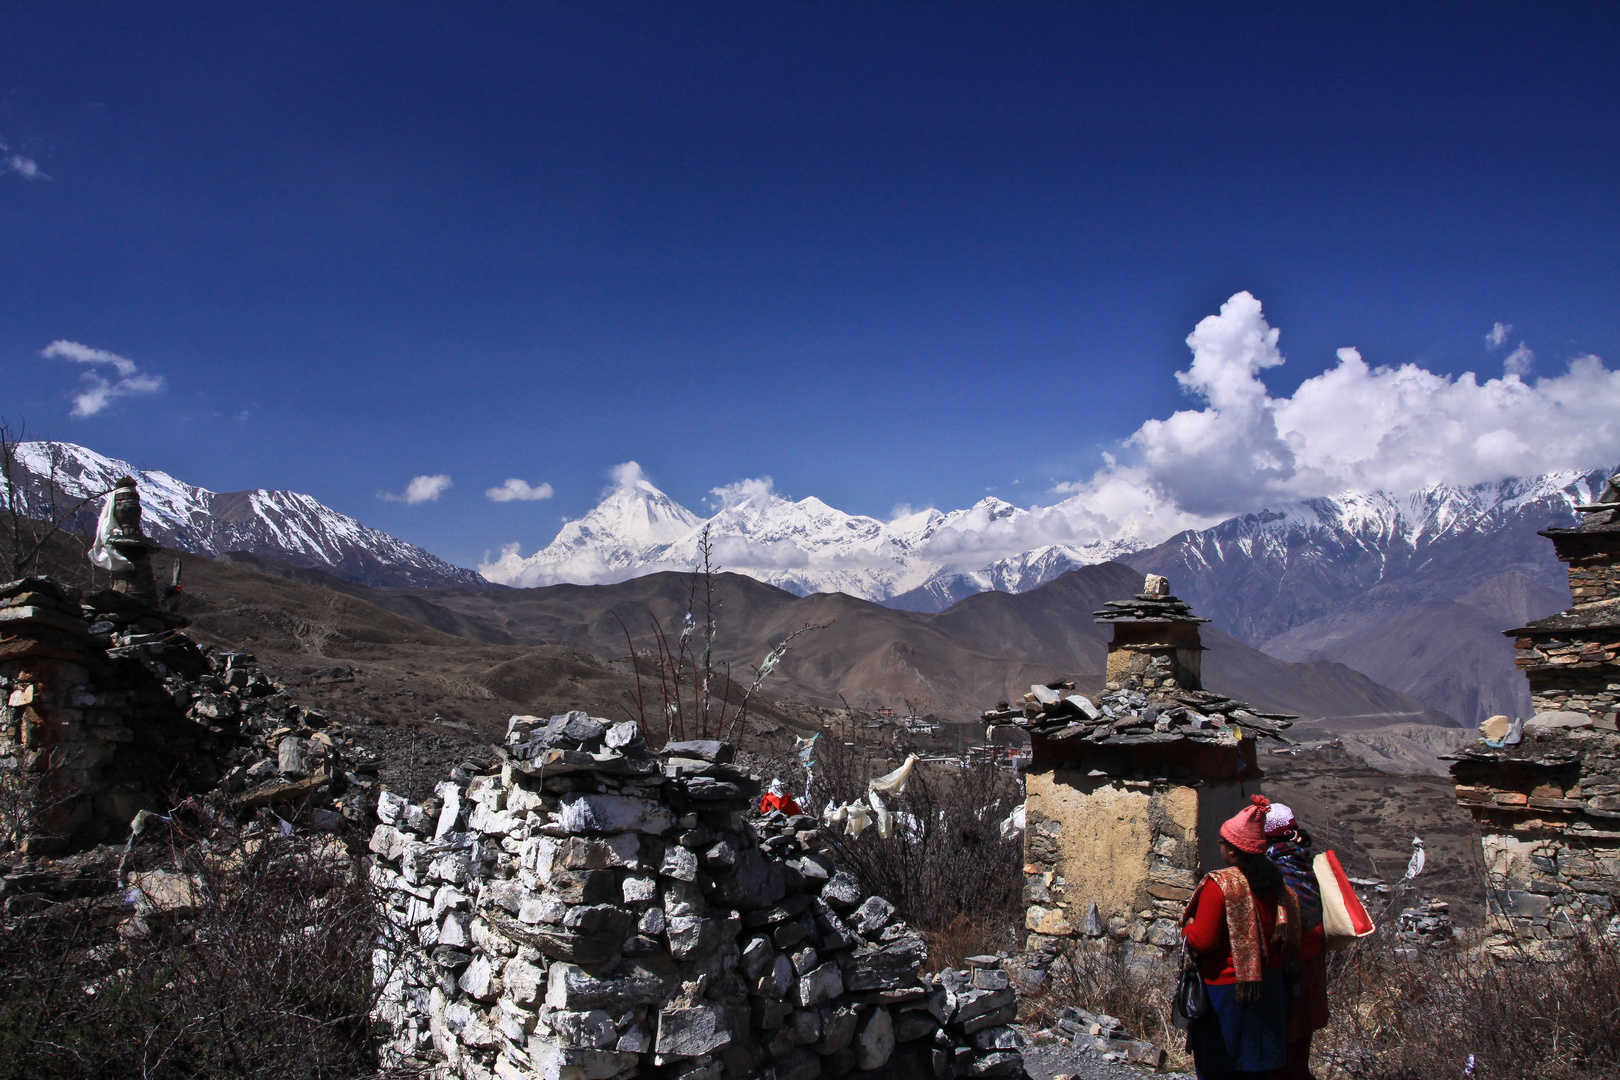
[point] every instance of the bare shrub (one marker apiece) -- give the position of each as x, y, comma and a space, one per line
946, 867
28, 799
246, 956
693, 695
1417, 1015
1136, 993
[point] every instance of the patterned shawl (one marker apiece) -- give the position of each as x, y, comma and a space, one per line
1294, 860
1243, 929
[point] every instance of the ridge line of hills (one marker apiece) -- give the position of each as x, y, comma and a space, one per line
957, 662
1410, 591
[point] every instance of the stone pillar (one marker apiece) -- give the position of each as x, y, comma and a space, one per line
1545, 795
1155, 647
133, 544
1125, 796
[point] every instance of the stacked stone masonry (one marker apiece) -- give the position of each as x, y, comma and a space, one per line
594, 910
1124, 793
107, 708
1545, 792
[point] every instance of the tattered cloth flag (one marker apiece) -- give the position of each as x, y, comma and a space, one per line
101, 552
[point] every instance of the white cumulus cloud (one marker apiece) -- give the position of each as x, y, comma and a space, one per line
627, 475
100, 390
1355, 426
515, 490
1498, 335
1519, 361
421, 489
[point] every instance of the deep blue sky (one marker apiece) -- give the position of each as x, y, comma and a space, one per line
884, 253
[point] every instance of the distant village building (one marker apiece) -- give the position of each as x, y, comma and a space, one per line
1125, 794
1545, 792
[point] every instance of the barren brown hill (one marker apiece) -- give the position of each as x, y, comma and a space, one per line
955, 663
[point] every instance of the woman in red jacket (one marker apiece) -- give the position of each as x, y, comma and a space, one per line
1242, 925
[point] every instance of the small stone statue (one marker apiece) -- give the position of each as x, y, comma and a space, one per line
1156, 586
121, 547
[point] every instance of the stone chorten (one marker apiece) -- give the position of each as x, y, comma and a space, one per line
1125, 794
1155, 646
1545, 792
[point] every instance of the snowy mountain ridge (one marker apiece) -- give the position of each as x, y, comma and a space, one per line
284, 525
807, 546
930, 559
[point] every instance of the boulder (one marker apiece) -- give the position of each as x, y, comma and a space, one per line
694, 1031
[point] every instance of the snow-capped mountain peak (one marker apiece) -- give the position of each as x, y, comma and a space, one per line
803, 545
284, 525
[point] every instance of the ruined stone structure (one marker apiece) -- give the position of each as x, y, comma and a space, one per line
107, 708
91, 722
1125, 795
594, 910
1545, 792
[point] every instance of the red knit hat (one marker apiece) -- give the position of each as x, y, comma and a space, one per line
1246, 829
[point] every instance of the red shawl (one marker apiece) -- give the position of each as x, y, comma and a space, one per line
1243, 929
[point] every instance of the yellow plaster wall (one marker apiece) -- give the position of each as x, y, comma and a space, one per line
1106, 840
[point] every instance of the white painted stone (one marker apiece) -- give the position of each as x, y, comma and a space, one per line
479, 981
389, 807
449, 898
585, 813
453, 931
524, 981
592, 1030
639, 888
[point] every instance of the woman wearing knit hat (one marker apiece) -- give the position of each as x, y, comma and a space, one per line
1243, 925
1289, 846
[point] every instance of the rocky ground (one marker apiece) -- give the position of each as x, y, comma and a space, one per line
1369, 818
1049, 1058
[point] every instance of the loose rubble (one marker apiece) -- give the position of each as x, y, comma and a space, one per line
115, 710
595, 910
1105, 1036
1427, 925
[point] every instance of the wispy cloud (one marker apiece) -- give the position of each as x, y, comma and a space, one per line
1519, 361
13, 162
100, 391
1498, 335
729, 495
515, 490
421, 489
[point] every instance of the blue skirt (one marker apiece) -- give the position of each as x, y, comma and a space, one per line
1239, 1037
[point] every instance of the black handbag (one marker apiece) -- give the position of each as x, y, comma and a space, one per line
1192, 997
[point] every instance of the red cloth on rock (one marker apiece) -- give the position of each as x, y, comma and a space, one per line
784, 803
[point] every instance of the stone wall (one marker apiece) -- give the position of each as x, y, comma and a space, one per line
1548, 809
108, 708
594, 910
1579, 673
1594, 577
1545, 793
96, 722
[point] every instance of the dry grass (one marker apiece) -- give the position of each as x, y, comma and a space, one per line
946, 867
257, 965
1398, 1016
1137, 994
